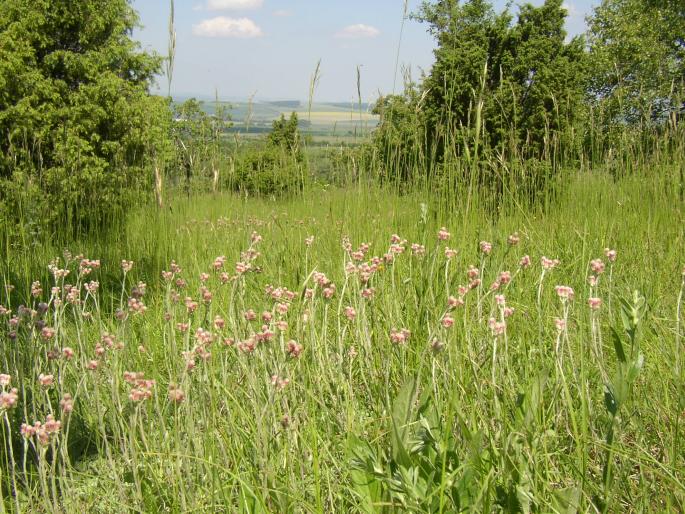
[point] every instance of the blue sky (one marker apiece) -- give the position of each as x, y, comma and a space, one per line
270, 47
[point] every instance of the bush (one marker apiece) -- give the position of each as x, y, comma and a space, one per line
77, 121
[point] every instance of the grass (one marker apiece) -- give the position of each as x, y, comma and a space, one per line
449, 419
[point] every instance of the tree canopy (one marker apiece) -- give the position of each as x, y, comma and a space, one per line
76, 117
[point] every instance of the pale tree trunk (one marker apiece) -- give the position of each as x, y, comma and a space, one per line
158, 187
215, 180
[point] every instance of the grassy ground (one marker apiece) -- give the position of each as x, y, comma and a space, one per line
375, 385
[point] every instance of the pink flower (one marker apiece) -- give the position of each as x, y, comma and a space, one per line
47, 333
597, 266
418, 249
93, 365
549, 264
191, 306
443, 234
27, 431
497, 328
453, 302
524, 262
564, 292
136, 306
368, 293
219, 262
203, 336
450, 253
513, 239
447, 321
508, 312
8, 399
399, 336
126, 266
309, 241
294, 349
36, 289
66, 403
504, 277
350, 313
279, 383
485, 247
494, 286
472, 272
610, 254
219, 323
500, 300
5, 380
560, 324
594, 303
175, 394
46, 380
329, 291
250, 315
51, 425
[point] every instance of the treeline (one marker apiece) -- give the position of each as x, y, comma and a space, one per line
510, 101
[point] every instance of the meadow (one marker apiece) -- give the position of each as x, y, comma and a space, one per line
471, 301
354, 350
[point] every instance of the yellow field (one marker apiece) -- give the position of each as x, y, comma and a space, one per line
336, 116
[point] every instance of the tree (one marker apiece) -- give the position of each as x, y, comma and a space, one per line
504, 82
76, 117
285, 135
638, 56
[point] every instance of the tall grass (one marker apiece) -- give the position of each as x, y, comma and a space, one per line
361, 419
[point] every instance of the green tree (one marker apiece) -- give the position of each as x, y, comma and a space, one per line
76, 117
500, 83
286, 135
638, 60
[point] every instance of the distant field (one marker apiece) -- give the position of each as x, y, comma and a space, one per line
336, 116
327, 117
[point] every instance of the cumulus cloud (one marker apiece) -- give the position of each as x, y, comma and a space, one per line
233, 5
282, 13
358, 31
222, 26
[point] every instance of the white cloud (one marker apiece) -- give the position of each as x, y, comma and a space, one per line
282, 13
358, 31
570, 8
233, 5
222, 26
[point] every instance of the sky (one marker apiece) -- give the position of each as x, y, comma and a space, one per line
269, 48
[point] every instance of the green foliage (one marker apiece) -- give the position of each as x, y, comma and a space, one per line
285, 135
501, 83
267, 170
637, 51
75, 115
422, 472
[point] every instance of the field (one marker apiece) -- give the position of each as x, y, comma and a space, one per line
355, 350
332, 121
